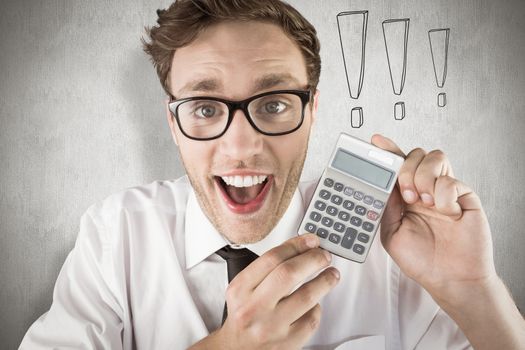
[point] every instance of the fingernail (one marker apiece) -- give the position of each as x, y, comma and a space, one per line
409, 196
427, 199
312, 241
327, 255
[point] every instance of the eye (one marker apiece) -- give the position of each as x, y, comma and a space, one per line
205, 111
274, 107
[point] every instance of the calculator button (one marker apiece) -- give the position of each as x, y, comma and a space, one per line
343, 215
363, 237
315, 216
339, 227
378, 204
348, 191
368, 200
359, 249
360, 210
336, 199
354, 220
372, 215
320, 205
324, 194
321, 232
367, 226
334, 238
338, 186
309, 227
331, 210
348, 238
328, 182
358, 195
327, 222
348, 205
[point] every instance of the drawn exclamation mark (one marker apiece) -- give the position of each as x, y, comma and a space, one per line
438, 39
395, 33
352, 27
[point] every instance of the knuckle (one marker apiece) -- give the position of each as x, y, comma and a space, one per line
437, 154
307, 296
272, 259
314, 318
417, 152
243, 316
233, 290
285, 272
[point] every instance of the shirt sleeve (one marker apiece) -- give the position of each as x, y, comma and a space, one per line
443, 333
85, 314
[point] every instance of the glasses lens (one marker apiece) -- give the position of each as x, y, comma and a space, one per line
276, 113
203, 118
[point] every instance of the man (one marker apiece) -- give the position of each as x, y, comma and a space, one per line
147, 270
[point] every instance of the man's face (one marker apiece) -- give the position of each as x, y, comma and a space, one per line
236, 60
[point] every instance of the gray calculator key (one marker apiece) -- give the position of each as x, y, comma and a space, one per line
349, 238
348, 191
348, 205
378, 204
334, 238
358, 195
360, 210
320, 205
309, 227
338, 186
328, 182
343, 215
321, 232
354, 220
339, 227
324, 194
315, 216
327, 222
363, 237
368, 200
331, 210
336, 199
359, 249
368, 226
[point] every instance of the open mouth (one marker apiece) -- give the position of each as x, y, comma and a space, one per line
244, 194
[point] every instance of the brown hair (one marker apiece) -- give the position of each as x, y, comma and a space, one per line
180, 24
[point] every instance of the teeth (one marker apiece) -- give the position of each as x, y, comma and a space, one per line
243, 181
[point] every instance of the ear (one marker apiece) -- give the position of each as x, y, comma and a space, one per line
171, 122
315, 105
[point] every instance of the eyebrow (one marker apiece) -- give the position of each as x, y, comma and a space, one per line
271, 80
203, 85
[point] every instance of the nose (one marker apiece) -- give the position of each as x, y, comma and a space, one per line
241, 141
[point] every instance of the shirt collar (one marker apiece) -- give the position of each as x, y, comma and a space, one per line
202, 239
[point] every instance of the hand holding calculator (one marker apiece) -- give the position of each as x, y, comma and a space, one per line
350, 198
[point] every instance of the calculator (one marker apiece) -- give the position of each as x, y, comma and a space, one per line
350, 198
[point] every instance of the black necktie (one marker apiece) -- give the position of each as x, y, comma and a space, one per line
236, 260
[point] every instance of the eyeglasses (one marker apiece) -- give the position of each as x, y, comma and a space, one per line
271, 113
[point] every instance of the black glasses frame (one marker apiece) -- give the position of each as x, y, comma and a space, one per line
174, 104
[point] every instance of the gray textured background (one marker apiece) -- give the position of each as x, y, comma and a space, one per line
81, 117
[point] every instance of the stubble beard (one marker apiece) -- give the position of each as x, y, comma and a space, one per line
253, 228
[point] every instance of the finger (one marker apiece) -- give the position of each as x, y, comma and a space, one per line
302, 329
307, 296
434, 165
386, 144
407, 173
452, 197
392, 217
284, 278
253, 274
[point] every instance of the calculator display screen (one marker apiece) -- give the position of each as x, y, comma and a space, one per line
362, 169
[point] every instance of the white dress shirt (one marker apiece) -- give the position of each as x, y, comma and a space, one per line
143, 275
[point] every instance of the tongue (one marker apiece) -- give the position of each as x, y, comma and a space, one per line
243, 195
